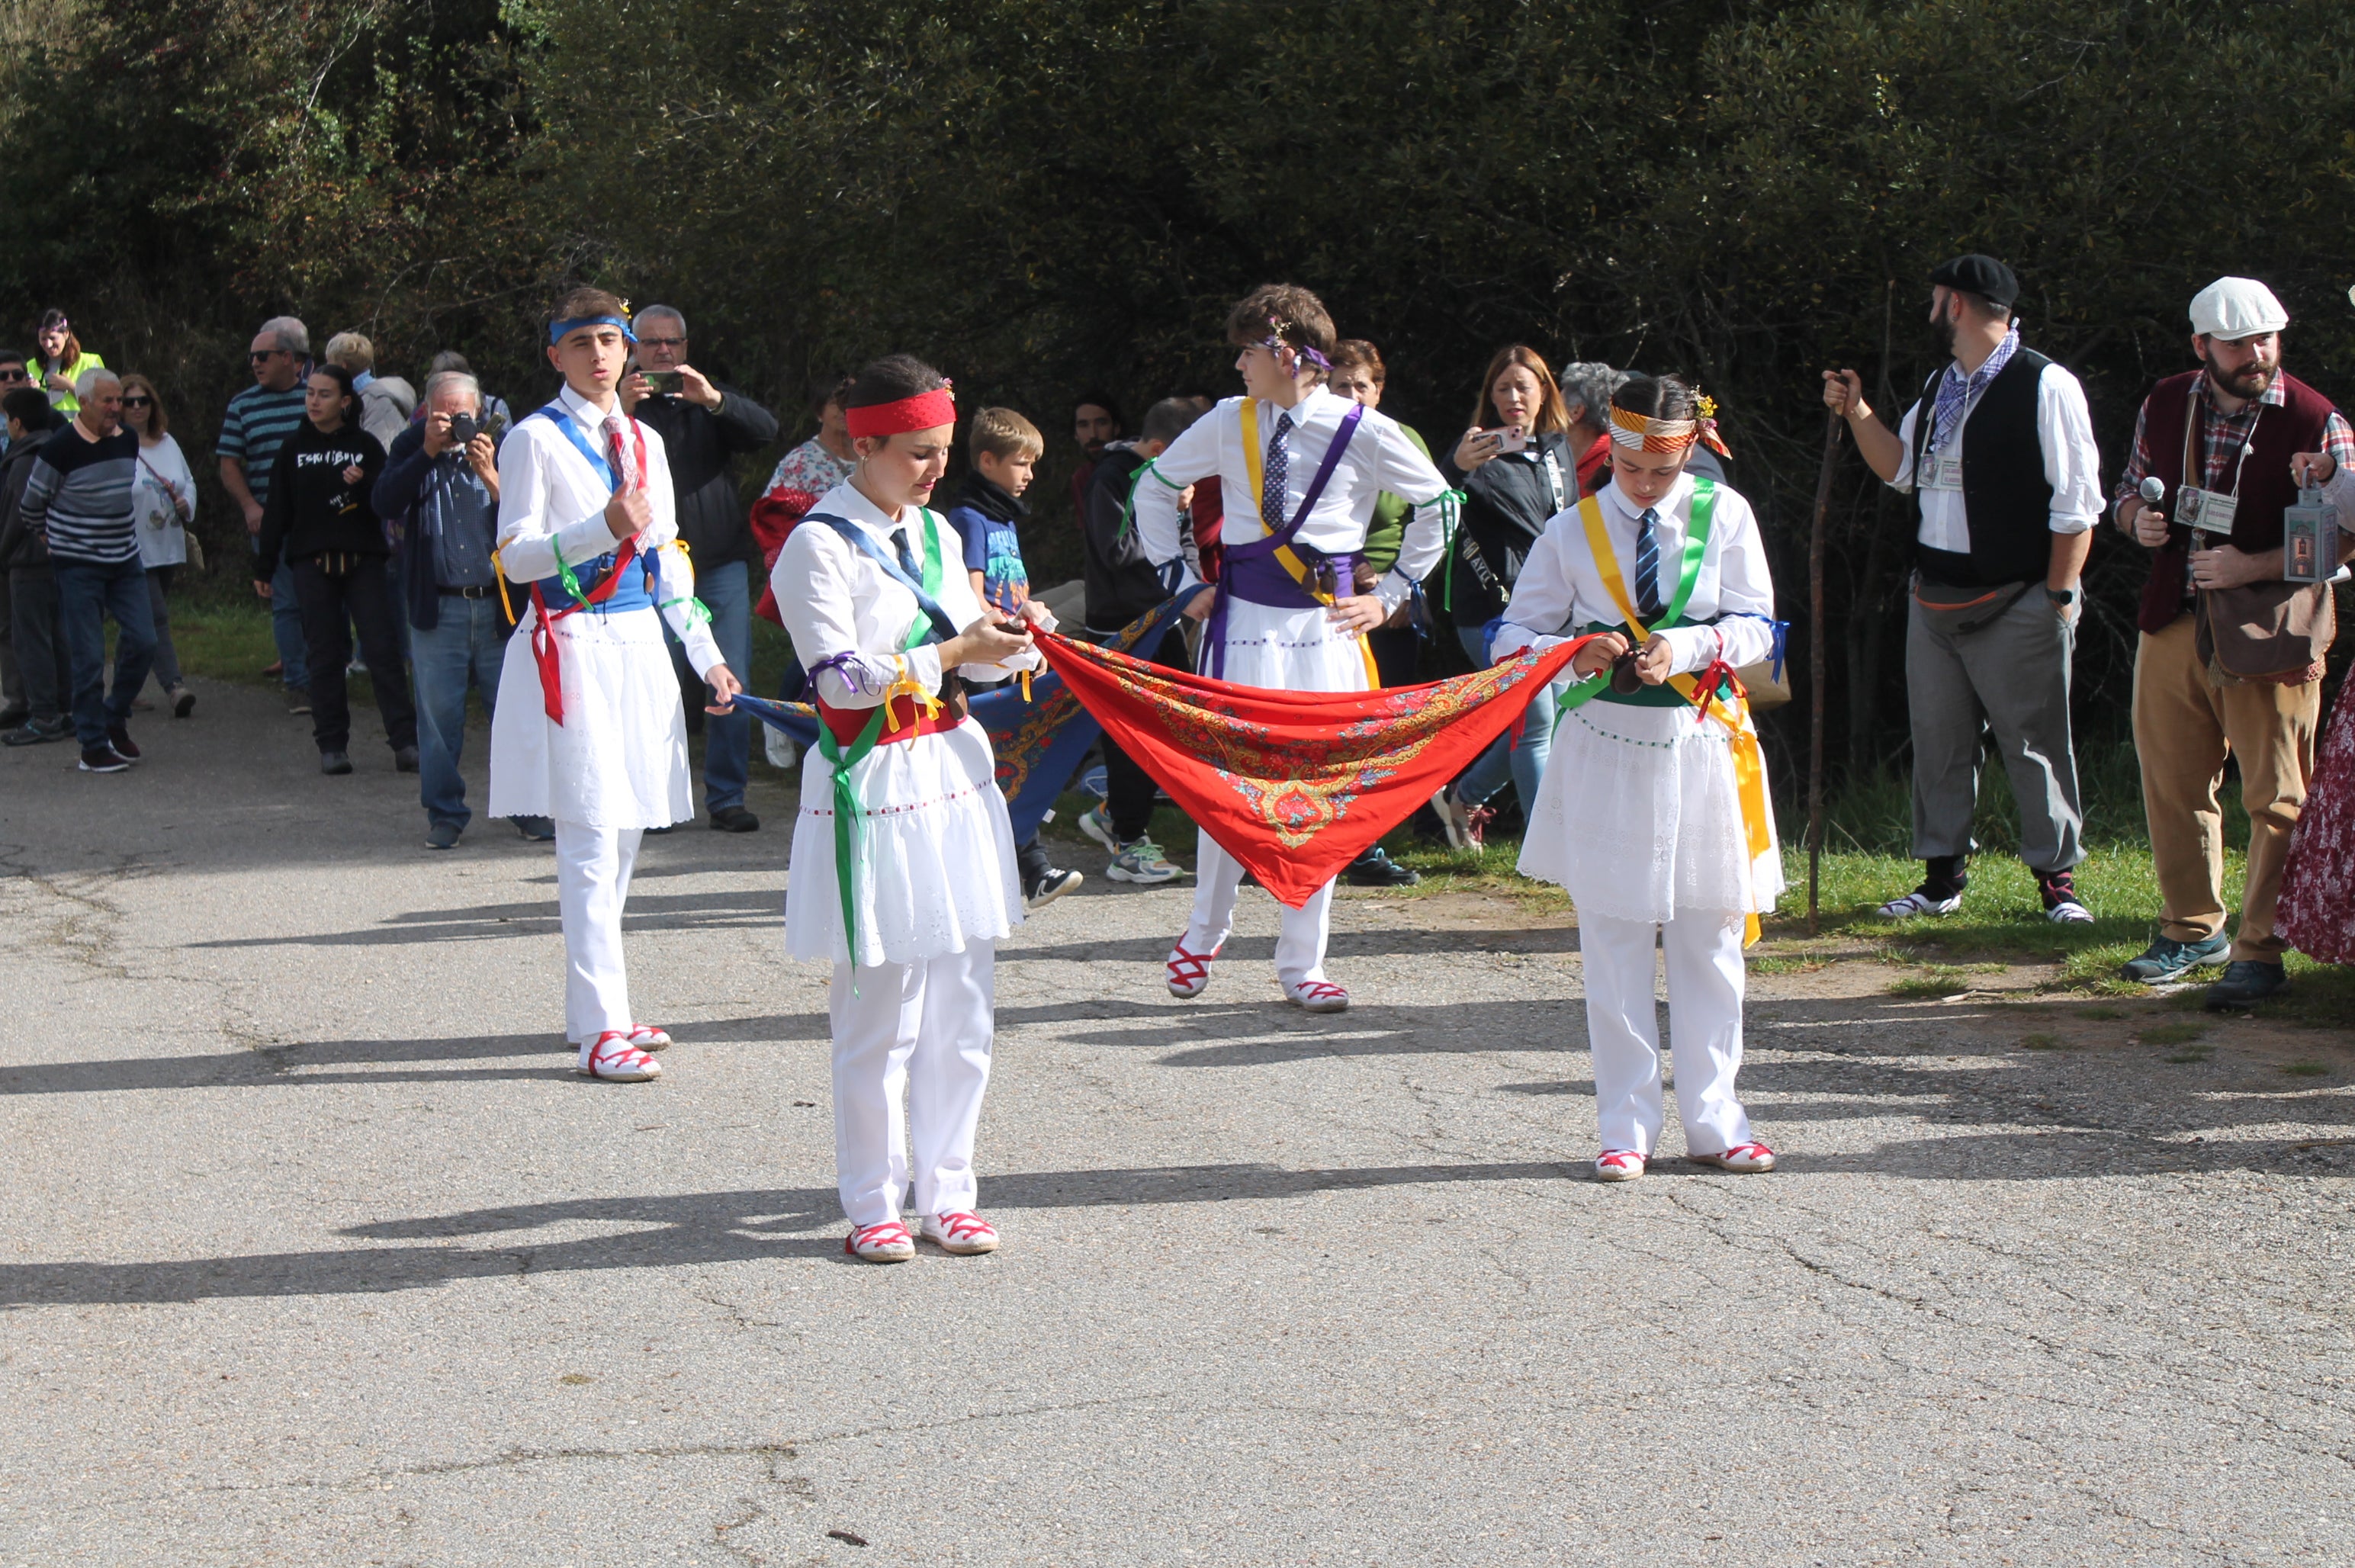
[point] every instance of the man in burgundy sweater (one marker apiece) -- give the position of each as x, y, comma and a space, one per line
2227, 430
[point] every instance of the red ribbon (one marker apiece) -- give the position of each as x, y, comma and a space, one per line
543, 631
925, 410
1719, 673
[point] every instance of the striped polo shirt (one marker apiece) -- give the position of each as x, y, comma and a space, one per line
79, 493
257, 424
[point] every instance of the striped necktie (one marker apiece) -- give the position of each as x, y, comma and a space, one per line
907, 555
1278, 470
1648, 603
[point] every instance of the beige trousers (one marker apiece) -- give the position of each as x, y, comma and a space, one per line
2185, 725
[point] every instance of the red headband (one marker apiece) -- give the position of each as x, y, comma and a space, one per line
925, 410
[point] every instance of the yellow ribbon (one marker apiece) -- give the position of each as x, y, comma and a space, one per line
501, 573
1284, 553
1749, 763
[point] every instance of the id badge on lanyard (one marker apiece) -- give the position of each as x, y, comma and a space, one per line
1945, 472
2206, 511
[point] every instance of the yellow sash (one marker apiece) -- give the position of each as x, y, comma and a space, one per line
1284, 553
1749, 763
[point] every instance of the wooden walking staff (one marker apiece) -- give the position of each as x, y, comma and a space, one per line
1816, 668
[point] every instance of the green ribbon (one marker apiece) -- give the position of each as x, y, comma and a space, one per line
848, 807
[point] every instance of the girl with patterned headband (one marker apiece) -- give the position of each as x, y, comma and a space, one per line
1653, 811
904, 866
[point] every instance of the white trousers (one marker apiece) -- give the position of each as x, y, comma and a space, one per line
593, 881
921, 1029
1705, 987
1300, 938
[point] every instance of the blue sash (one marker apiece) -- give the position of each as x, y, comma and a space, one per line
944, 628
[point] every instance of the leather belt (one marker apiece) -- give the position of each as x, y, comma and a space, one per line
483, 591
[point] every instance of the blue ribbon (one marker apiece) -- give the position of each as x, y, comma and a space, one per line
556, 329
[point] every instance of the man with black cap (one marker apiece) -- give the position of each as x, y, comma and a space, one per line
1999, 458
2221, 441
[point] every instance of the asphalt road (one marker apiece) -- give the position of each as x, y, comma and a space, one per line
314, 1250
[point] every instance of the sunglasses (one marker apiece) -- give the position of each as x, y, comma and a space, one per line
13, 376
138, 402
259, 355
662, 342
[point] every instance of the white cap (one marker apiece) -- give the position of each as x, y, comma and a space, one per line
2236, 307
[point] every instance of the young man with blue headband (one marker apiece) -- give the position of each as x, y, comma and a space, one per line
587, 729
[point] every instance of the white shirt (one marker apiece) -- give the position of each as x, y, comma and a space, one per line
1379, 457
553, 503
162, 541
837, 600
2073, 465
1560, 590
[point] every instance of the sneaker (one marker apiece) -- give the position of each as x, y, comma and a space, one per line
888, 1243
335, 764
2246, 983
1098, 826
1921, 901
37, 733
2167, 959
1455, 819
2058, 891
1618, 1164
645, 1036
1188, 972
538, 829
1375, 869
298, 700
965, 1236
1742, 1159
184, 702
734, 820
103, 759
442, 836
612, 1058
119, 737
404, 759
1052, 884
1139, 863
1317, 996
778, 748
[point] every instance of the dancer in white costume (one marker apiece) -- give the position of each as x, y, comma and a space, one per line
1302, 470
1653, 814
903, 861
588, 728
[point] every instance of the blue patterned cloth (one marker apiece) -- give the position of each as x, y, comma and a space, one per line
1956, 392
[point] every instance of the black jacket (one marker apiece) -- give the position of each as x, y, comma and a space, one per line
1121, 583
19, 545
699, 445
1506, 501
312, 510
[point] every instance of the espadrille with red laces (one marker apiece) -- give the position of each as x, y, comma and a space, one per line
888, 1243
1742, 1159
966, 1235
1188, 971
646, 1037
1618, 1164
612, 1058
1317, 996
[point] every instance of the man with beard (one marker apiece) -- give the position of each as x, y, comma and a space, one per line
2220, 439
1095, 421
1998, 456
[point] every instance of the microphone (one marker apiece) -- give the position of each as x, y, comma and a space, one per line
2154, 490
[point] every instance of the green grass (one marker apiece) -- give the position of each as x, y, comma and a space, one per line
2045, 1043
2193, 1053
2101, 1014
2304, 1069
2171, 1034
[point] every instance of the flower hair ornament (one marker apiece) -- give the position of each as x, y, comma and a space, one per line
1288, 355
1642, 433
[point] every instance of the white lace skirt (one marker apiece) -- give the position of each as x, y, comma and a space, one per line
619, 760
1293, 650
1640, 817
935, 867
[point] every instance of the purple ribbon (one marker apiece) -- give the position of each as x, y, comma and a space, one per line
1260, 552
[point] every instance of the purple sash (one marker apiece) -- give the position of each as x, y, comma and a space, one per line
1251, 571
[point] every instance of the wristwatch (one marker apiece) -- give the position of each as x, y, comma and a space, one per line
2065, 597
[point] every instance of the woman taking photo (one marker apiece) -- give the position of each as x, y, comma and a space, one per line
320, 519
163, 503
63, 360
1515, 474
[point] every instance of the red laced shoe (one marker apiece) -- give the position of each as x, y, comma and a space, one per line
888, 1243
966, 1235
1742, 1159
645, 1036
1318, 997
1188, 971
1618, 1164
616, 1060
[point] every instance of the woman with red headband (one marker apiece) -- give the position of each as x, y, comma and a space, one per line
588, 728
1653, 809
904, 859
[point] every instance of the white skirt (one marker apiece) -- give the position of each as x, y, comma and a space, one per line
619, 760
1291, 650
935, 868
1640, 817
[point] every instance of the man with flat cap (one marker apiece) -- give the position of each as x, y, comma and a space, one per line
2230, 660
1998, 455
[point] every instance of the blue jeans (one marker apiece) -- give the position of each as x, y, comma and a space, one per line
286, 621
1524, 763
467, 647
88, 591
727, 592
